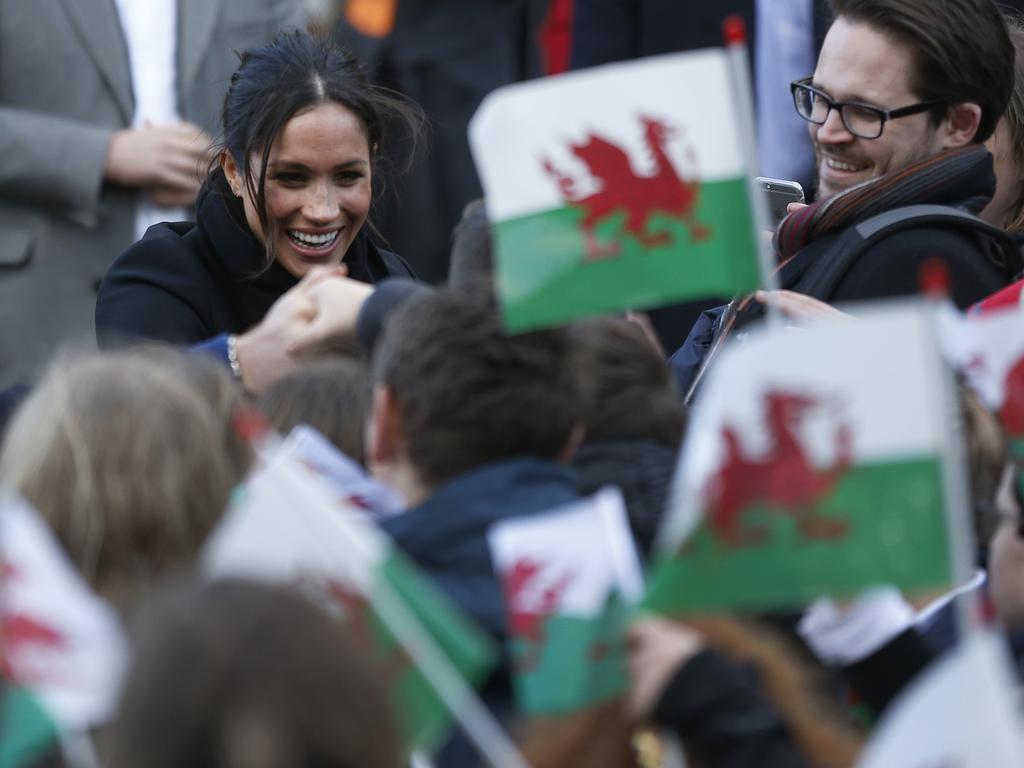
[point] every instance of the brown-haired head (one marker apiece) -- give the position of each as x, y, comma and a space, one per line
236, 675
331, 395
466, 393
961, 48
124, 460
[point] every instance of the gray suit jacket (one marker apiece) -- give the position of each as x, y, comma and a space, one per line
65, 87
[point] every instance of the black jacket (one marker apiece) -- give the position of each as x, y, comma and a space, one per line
642, 470
184, 283
717, 709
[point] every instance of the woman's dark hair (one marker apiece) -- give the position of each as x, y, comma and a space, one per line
294, 72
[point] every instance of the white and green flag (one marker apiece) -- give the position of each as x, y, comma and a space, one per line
63, 651
570, 578
988, 350
619, 187
287, 526
817, 462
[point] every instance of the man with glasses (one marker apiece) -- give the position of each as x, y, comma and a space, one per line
899, 81
903, 96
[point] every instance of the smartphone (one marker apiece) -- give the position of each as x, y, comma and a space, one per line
779, 193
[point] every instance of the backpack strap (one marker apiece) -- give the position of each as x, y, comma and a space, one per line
831, 264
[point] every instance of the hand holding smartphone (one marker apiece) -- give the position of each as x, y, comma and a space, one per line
779, 193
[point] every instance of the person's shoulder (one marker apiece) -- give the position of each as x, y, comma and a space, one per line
396, 265
161, 242
167, 249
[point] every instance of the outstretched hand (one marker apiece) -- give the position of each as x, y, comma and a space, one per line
337, 300
657, 648
800, 308
316, 314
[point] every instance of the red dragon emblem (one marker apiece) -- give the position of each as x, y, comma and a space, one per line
623, 190
784, 477
529, 605
1011, 414
23, 638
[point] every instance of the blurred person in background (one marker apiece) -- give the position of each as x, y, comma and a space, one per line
634, 422
239, 675
106, 112
303, 136
1006, 208
446, 55
331, 395
736, 694
127, 463
471, 426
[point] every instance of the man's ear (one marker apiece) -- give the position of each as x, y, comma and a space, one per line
385, 436
231, 172
961, 125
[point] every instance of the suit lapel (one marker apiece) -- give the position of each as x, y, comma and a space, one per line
97, 23
196, 21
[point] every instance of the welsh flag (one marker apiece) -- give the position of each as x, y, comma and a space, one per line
961, 713
287, 526
817, 462
570, 578
619, 187
63, 652
348, 481
988, 349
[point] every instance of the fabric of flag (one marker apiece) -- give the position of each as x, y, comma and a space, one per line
286, 526
961, 713
816, 462
988, 349
58, 640
347, 480
618, 187
571, 578
27, 732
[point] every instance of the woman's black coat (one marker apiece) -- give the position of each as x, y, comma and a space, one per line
184, 283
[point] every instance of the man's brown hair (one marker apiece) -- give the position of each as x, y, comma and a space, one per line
633, 395
961, 48
468, 393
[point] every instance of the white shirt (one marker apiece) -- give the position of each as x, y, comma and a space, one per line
151, 33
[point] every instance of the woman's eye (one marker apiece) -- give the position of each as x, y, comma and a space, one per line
349, 177
289, 179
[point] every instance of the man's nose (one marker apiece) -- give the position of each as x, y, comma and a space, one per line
832, 131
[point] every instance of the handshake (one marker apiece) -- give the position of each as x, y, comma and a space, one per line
317, 315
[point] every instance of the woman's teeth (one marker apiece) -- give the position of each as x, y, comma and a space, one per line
312, 240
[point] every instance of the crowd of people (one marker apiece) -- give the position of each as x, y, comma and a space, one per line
274, 295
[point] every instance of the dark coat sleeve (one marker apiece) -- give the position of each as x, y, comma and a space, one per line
716, 709
685, 362
156, 290
388, 296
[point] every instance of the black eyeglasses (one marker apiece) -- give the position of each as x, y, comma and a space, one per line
862, 120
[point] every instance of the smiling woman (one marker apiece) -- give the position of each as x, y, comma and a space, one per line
291, 189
